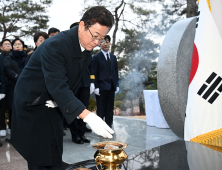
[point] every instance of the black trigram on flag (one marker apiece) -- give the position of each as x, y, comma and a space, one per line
209, 91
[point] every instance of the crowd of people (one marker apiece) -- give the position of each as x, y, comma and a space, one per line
13, 58
36, 84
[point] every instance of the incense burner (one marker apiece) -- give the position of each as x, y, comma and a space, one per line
108, 158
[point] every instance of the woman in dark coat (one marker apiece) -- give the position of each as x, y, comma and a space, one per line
14, 64
39, 38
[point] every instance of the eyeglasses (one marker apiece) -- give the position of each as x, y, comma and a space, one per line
6, 44
14, 45
94, 38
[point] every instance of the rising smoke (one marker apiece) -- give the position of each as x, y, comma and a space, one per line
139, 63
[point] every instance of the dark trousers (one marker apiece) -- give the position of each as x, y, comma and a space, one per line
2, 114
56, 157
77, 127
105, 105
10, 119
65, 123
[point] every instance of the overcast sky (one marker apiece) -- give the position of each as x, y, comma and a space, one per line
62, 13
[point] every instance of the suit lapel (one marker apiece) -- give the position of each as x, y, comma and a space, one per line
75, 41
87, 60
82, 59
81, 63
85, 65
112, 61
104, 59
77, 54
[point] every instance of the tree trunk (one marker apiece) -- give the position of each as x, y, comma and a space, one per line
116, 25
131, 101
141, 105
5, 30
191, 8
114, 36
4, 35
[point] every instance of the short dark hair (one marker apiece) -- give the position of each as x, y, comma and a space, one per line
107, 37
38, 34
53, 30
4, 41
74, 24
17, 38
98, 14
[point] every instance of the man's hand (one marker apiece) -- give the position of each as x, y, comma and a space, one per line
117, 89
92, 88
98, 125
2, 96
97, 91
51, 104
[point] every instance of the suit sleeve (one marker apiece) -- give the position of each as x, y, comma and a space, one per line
91, 71
53, 59
95, 69
9, 72
2, 78
116, 72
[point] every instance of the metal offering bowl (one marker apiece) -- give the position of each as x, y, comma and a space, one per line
109, 158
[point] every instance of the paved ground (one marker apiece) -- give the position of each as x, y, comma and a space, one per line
132, 131
135, 117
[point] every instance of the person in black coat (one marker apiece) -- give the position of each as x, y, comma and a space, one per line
78, 127
53, 31
2, 96
46, 88
13, 66
106, 82
5, 47
39, 38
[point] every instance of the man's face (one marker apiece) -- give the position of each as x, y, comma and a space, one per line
6, 46
92, 36
53, 33
105, 46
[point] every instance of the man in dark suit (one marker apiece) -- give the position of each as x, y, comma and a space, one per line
78, 127
53, 31
46, 88
106, 82
5, 47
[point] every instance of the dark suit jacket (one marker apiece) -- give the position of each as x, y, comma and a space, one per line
54, 72
12, 72
2, 73
104, 74
86, 79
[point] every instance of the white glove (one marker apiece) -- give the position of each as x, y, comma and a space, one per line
51, 104
117, 89
98, 125
97, 91
2, 96
92, 88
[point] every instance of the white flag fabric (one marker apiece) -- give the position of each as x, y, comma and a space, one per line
204, 105
216, 11
202, 157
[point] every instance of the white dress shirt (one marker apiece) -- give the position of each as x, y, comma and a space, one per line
105, 54
82, 48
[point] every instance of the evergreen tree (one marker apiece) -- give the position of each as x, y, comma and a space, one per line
137, 60
127, 13
23, 17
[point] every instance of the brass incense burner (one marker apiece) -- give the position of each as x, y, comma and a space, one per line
110, 154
